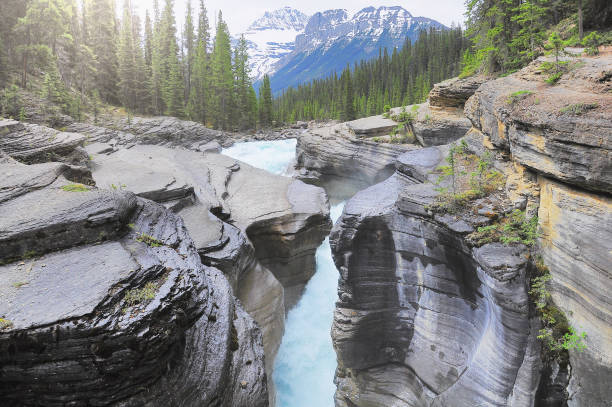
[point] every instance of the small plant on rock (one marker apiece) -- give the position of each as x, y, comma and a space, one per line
515, 228
517, 96
149, 240
138, 296
5, 324
578, 108
75, 188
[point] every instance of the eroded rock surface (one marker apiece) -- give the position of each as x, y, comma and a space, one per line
120, 310
424, 319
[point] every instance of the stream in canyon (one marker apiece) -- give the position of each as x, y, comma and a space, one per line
306, 361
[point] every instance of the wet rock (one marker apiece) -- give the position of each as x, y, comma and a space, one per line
130, 317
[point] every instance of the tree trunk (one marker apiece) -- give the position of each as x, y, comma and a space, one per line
580, 30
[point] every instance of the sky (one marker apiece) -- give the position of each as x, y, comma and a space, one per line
239, 14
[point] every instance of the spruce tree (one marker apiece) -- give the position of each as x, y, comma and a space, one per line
127, 60
222, 78
265, 102
199, 102
102, 37
189, 43
172, 86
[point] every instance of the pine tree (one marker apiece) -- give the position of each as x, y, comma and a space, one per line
244, 106
102, 36
157, 73
172, 85
265, 102
189, 43
199, 103
222, 78
127, 60
148, 42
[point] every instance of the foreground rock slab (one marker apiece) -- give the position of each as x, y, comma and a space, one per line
129, 316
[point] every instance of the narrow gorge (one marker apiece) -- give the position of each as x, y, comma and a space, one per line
451, 253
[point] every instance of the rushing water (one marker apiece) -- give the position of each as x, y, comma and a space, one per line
274, 156
306, 361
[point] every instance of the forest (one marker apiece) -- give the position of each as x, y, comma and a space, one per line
501, 36
83, 57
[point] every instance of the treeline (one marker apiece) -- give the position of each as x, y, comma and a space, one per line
405, 77
508, 34
86, 56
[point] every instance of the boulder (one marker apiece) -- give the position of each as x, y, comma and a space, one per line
371, 126
114, 307
454, 92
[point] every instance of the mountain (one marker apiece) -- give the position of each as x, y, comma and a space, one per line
331, 40
271, 37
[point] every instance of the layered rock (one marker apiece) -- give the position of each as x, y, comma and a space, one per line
32, 143
111, 305
352, 156
563, 135
261, 230
424, 318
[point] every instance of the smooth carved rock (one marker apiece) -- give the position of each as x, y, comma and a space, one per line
454, 92
542, 129
333, 157
33, 143
423, 318
116, 320
576, 246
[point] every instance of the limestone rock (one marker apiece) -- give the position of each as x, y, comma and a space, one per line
371, 126
32, 143
424, 319
129, 317
454, 92
564, 132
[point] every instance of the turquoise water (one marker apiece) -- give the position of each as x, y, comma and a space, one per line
306, 361
274, 156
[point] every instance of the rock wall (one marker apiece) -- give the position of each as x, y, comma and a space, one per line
424, 319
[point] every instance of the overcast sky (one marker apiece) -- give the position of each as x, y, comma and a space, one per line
240, 13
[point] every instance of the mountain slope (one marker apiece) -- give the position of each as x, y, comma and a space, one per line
331, 40
271, 37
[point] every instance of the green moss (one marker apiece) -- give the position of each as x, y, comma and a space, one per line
149, 240
75, 188
20, 284
578, 108
517, 96
29, 255
139, 296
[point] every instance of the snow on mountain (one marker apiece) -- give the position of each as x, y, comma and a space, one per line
331, 40
271, 37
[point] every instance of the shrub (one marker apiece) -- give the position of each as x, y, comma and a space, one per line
554, 78
5, 324
515, 228
592, 42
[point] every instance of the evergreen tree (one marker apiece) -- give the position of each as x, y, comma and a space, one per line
102, 36
189, 43
348, 108
157, 73
222, 78
199, 103
127, 60
171, 78
148, 42
245, 108
265, 102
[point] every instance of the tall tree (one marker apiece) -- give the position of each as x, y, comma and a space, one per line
245, 109
102, 35
170, 74
189, 44
265, 102
127, 60
222, 77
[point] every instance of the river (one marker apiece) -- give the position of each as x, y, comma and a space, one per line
306, 361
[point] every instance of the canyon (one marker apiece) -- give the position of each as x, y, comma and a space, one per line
139, 266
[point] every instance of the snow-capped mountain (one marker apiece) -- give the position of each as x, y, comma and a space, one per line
331, 40
271, 37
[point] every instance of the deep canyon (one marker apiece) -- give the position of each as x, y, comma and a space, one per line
156, 262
